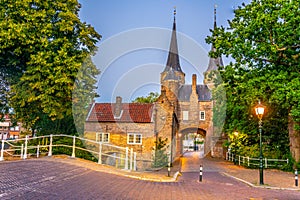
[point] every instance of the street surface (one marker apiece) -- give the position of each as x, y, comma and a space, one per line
45, 179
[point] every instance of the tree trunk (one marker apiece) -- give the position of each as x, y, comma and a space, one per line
294, 136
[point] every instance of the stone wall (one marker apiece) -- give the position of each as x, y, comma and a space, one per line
118, 136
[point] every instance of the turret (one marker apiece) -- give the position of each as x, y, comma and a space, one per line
214, 63
173, 64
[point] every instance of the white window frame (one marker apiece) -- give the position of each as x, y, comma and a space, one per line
200, 115
185, 115
134, 138
100, 136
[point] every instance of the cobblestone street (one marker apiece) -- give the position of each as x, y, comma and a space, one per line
50, 178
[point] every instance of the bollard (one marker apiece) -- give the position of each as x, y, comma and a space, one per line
200, 174
296, 177
169, 169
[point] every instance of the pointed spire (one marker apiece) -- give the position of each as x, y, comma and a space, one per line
173, 57
215, 16
214, 63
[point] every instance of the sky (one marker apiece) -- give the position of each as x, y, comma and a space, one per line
136, 37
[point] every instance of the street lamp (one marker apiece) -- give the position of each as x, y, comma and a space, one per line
259, 110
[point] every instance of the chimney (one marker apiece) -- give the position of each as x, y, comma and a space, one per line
194, 83
118, 106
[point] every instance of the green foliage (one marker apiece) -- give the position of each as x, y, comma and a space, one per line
68, 150
263, 39
43, 46
160, 157
152, 97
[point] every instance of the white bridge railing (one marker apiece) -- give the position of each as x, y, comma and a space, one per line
247, 161
120, 157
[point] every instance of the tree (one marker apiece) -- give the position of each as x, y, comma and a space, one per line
152, 97
43, 46
263, 38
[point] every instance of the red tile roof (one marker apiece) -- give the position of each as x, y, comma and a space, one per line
131, 112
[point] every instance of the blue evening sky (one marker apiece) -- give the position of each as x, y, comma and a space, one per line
136, 36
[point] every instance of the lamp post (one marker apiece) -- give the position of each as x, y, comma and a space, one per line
259, 110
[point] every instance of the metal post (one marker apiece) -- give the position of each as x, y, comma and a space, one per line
38, 151
296, 177
100, 153
261, 172
239, 160
25, 149
73, 148
131, 158
50, 146
2, 151
200, 173
126, 159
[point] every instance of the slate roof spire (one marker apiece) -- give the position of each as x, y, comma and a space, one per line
214, 63
173, 57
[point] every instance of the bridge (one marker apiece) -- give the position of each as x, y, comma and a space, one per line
67, 178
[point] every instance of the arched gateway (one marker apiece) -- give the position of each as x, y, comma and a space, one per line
192, 139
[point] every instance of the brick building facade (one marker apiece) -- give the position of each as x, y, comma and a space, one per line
181, 114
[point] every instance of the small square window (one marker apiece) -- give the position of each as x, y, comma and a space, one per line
102, 137
134, 138
185, 115
202, 115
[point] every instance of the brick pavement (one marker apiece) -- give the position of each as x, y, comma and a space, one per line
275, 179
77, 179
65, 178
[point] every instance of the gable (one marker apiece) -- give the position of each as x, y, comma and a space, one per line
185, 91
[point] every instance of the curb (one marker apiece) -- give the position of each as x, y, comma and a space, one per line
259, 186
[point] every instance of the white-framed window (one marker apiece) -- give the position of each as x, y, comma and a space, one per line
102, 137
202, 115
185, 115
134, 138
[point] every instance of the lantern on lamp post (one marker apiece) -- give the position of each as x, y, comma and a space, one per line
259, 110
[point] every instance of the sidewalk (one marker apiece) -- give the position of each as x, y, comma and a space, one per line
273, 179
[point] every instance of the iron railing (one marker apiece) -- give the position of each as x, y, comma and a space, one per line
107, 154
250, 162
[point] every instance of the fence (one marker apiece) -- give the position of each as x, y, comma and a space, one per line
250, 162
119, 157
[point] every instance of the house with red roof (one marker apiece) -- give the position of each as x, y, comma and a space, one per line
8, 130
182, 115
